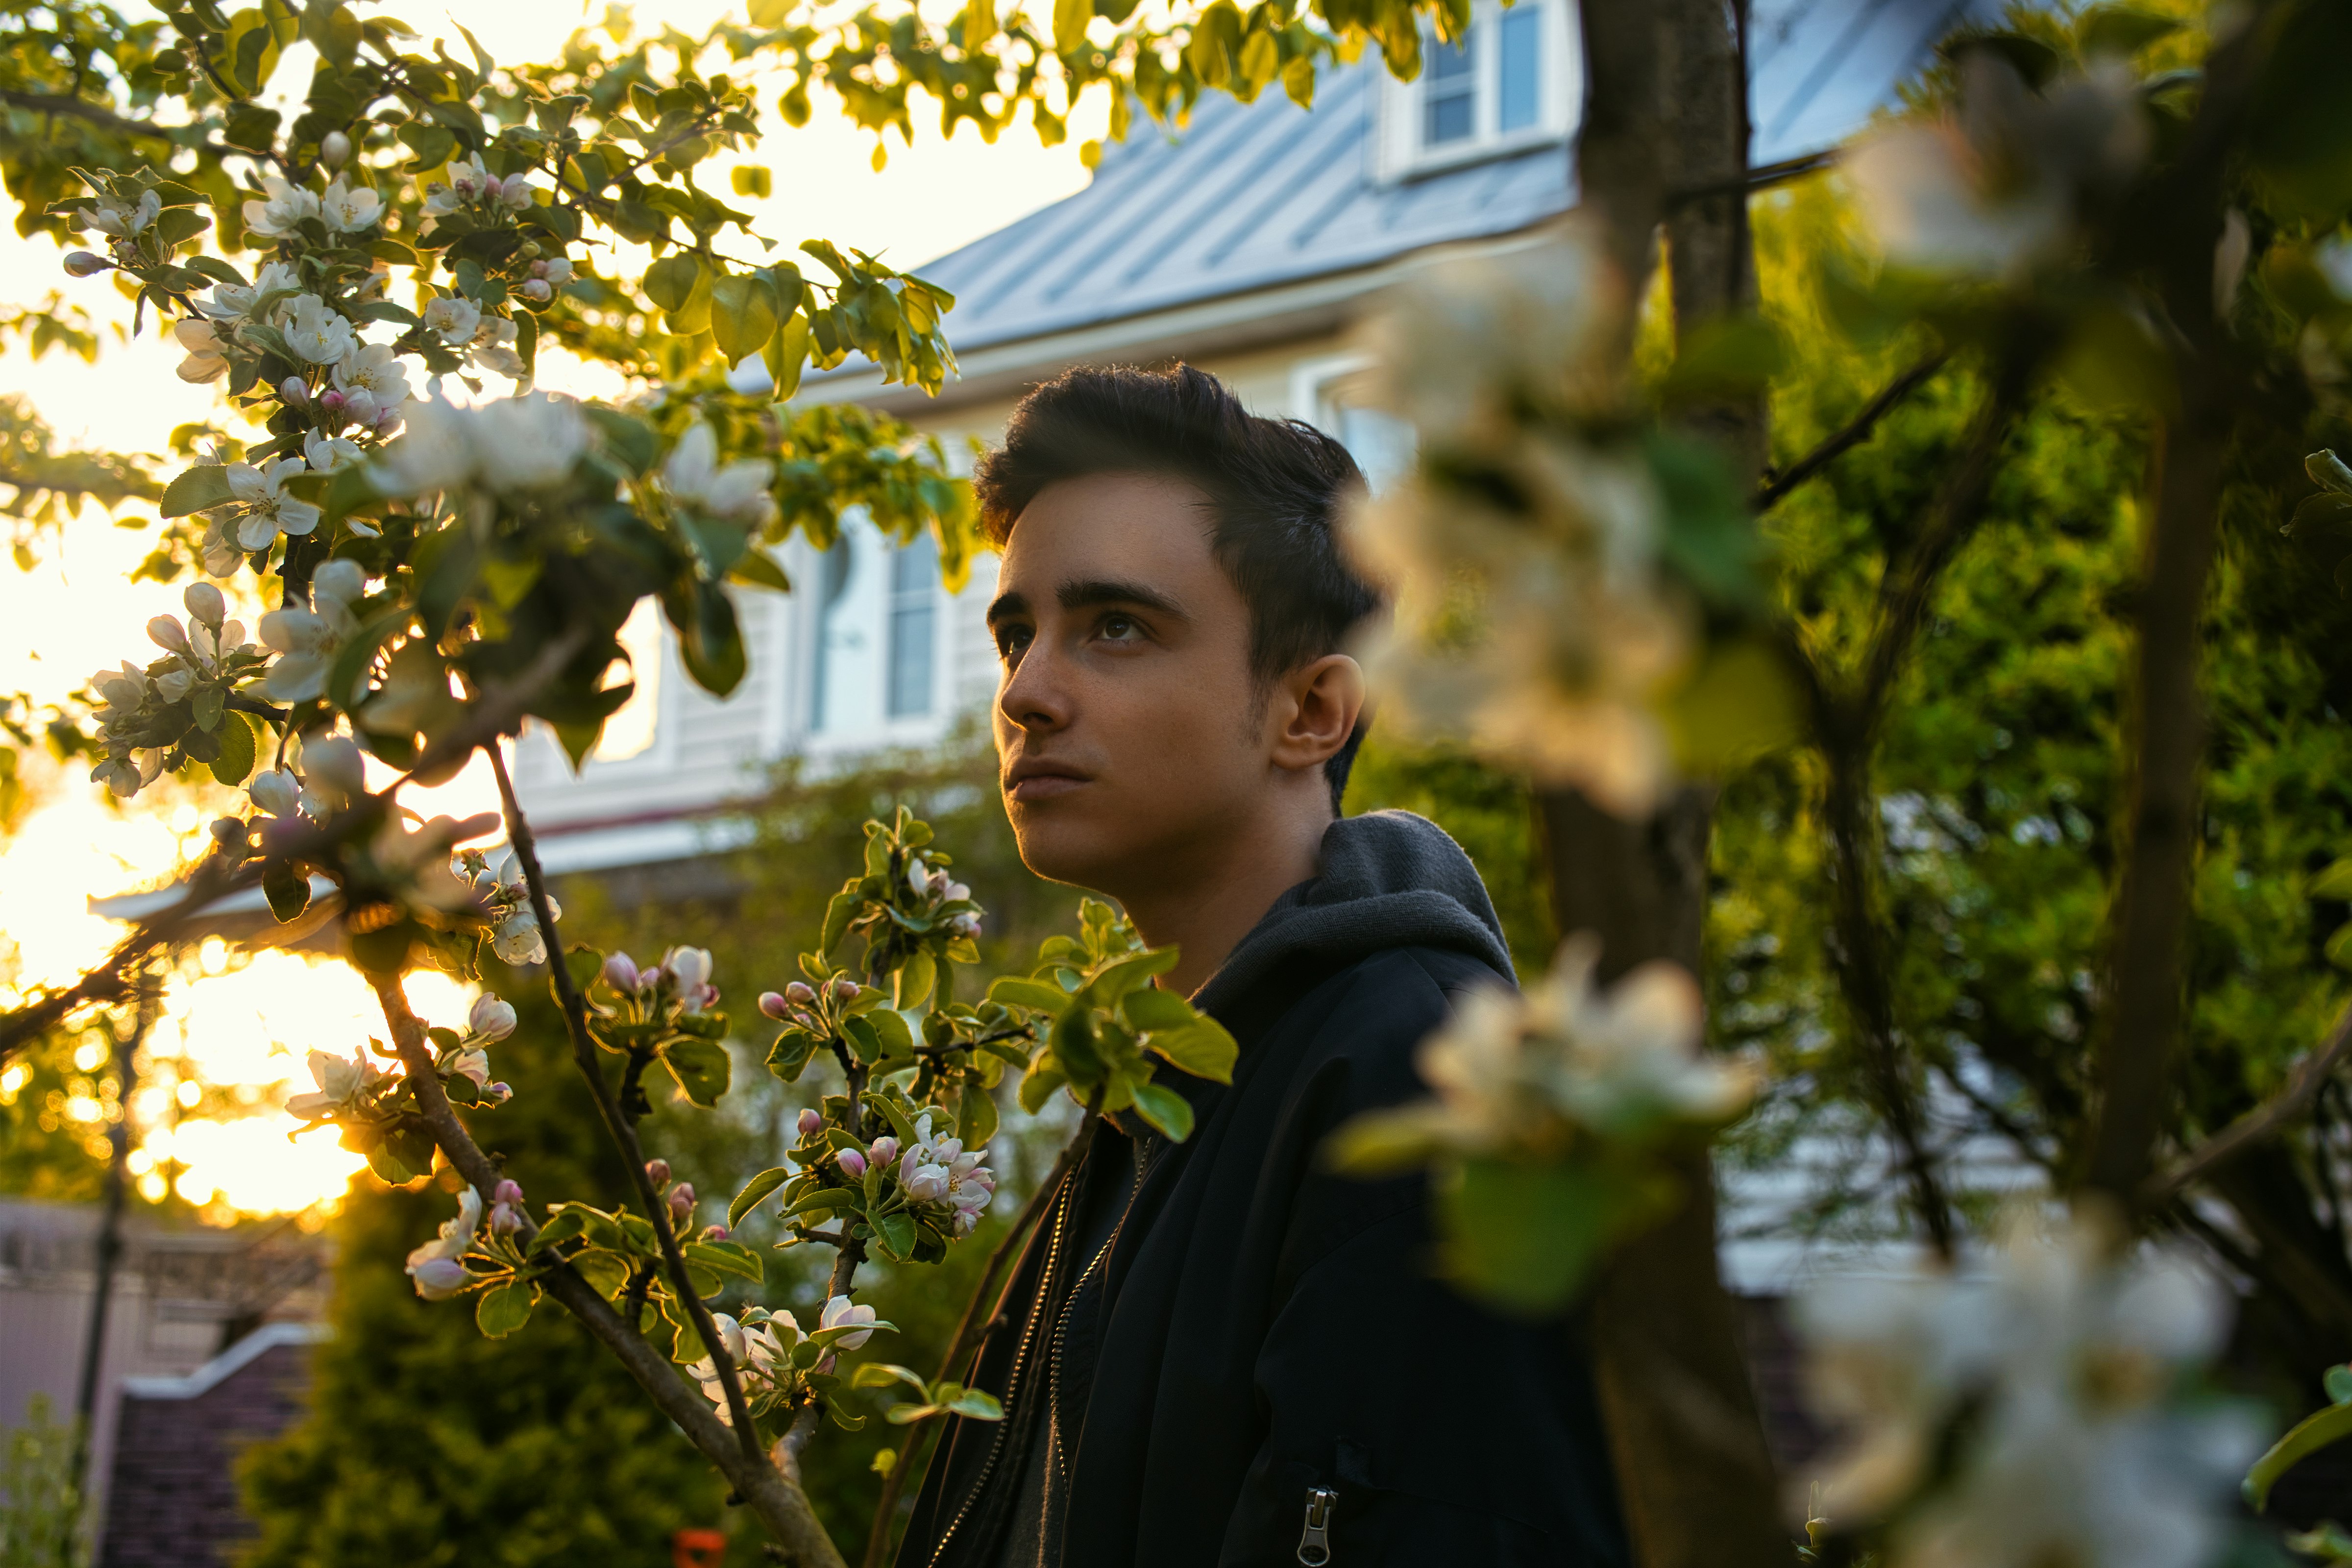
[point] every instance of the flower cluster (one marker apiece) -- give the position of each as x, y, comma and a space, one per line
940, 1180
683, 973
435, 1266
939, 892
512, 446
1531, 1077
305, 641
143, 715
2006, 182
735, 492
2044, 1413
1533, 620
340, 1085
331, 776
770, 1352
504, 894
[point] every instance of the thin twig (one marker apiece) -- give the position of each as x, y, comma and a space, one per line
782, 1507
1763, 176
1856, 430
969, 1328
623, 1134
2263, 1122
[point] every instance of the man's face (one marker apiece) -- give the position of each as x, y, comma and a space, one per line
1127, 724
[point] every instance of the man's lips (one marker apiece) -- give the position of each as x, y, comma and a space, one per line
1030, 782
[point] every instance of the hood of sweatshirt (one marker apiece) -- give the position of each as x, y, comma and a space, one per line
1386, 879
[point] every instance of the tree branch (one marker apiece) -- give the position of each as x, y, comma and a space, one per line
1856, 431
782, 1507
104, 118
2264, 1122
622, 1131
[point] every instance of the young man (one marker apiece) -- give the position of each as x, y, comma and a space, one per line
1218, 1352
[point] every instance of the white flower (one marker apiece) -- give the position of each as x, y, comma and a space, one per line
335, 762
282, 208
456, 318
269, 513
736, 492
372, 369
2067, 1374
928, 1183
839, 1313
348, 210
316, 333
327, 453
434, 1266
435, 452
276, 791
202, 339
515, 190
112, 215
235, 302
473, 1063
339, 1081
491, 1016
516, 938
529, 442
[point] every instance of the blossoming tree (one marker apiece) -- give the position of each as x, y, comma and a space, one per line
1582, 593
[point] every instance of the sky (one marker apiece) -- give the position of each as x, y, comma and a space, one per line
247, 1027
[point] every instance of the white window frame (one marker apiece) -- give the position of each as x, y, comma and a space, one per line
887, 733
1399, 153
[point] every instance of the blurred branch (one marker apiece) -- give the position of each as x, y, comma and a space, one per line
2263, 1122
1763, 176
105, 119
1857, 430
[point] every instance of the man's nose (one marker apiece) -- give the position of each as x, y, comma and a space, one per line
1033, 694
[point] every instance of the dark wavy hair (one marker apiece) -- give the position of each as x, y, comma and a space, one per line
1275, 488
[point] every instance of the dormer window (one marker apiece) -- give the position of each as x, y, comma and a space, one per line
1513, 81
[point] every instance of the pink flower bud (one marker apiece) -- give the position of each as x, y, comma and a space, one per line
293, 391
498, 1093
166, 632
772, 1005
506, 1192
83, 264
332, 402
716, 1233
204, 601
882, 1150
845, 990
811, 1123
621, 972
681, 1200
537, 290
801, 991
538, 270
853, 1164
228, 831
658, 1172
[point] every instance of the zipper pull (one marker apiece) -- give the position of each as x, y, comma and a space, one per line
1314, 1542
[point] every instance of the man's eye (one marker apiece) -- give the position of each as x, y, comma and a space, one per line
1011, 640
1121, 628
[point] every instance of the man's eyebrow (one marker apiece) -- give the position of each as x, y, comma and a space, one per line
1078, 595
1007, 604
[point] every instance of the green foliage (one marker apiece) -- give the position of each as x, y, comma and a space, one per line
41, 1515
1490, 812
2330, 1424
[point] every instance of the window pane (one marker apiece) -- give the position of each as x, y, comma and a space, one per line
1449, 92
1522, 46
914, 582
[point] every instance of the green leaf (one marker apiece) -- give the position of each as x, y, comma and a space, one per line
1020, 991
2338, 1380
743, 317
1070, 19
1038, 1086
607, 1273
976, 1116
758, 1188
2305, 1437
975, 1405
1164, 1108
288, 891
1525, 1237
503, 1309
758, 568
670, 282
700, 1067
2335, 883
2323, 465
1203, 1048
838, 916
725, 1257
2120, 31
235, 763
882, 1375
200, 488
787, 355
896, 1232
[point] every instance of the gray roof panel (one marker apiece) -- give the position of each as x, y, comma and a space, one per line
1254, 195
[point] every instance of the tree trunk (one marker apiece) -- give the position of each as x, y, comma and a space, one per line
1666, 108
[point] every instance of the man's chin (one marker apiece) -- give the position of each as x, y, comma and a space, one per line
1063, 851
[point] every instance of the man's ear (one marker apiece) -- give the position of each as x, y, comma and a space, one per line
1315, 710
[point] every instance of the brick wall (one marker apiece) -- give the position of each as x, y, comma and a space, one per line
172, 1500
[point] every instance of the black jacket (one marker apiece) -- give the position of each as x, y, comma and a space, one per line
1253, 1328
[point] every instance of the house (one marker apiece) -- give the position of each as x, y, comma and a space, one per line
1248, 245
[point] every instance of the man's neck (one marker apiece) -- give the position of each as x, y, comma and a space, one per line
1206, 910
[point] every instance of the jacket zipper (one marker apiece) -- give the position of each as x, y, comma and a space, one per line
1314, 1542
1061, 1323
1013, 1377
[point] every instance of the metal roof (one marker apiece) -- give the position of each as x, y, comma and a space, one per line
1251, 195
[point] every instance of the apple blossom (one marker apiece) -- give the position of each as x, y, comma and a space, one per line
772, 1005
734, 492
349, 209
853, 1163
339, 1082
374, 369
112, 215
681, 1200
492, 1017
204, 601
275, 791
202, 339
455, 318
621, 972
325, 454
473, 1063
810, 1122
269, 513
334, 149
280, 210
434, 1265
658, 1172
839, 1313
85, 263
316, 332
